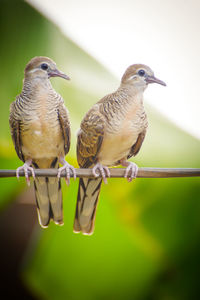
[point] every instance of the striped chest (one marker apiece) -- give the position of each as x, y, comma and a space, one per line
122, 133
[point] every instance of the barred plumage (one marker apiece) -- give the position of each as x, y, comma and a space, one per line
40, 129
112, 131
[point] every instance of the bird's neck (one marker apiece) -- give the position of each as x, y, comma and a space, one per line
32, 89
122, 102
131, 94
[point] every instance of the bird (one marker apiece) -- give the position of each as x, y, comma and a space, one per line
111, 132
40, 130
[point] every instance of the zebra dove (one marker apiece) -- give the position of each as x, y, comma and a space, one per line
40, 129
112, 131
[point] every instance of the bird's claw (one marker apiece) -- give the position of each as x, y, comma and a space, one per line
132, 168
67, 167
26, 167
103, 171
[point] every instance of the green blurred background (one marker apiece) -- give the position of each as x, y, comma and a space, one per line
146, 243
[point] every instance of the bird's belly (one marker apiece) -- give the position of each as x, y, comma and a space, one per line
42, 141
117, 146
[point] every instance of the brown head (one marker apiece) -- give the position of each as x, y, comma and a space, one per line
140, 76
42, 67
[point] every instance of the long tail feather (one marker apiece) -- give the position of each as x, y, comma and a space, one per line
49, 200
88, 194
42, 200
55, 198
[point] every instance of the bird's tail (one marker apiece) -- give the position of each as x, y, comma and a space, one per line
88, 194
49, 200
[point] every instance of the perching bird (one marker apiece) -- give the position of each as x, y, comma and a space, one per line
112, 131
40, 129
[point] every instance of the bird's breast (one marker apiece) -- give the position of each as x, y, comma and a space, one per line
42, 137
122, 134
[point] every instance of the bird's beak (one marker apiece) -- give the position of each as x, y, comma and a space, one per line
57, 73
153, 79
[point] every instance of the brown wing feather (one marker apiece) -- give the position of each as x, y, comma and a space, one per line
15, 132
136, 147
90, 138
63, 118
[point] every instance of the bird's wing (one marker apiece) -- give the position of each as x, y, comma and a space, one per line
90, 138
15, 131
136, 147
63, 118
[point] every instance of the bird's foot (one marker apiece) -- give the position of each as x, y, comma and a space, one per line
103, 171
131, 170
26, 167
67, 167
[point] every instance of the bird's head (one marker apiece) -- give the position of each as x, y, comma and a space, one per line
140, 76
43, 68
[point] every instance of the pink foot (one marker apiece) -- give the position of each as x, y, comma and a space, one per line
67, 168
103, 170
131, 168
26, 167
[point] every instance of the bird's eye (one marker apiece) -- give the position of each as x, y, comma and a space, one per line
141, 72
44, 66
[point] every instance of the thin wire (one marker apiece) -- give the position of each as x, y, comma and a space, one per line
114, 173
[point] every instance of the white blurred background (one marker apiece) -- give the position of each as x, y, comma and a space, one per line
162, 34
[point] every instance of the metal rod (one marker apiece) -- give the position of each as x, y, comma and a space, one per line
114, 173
